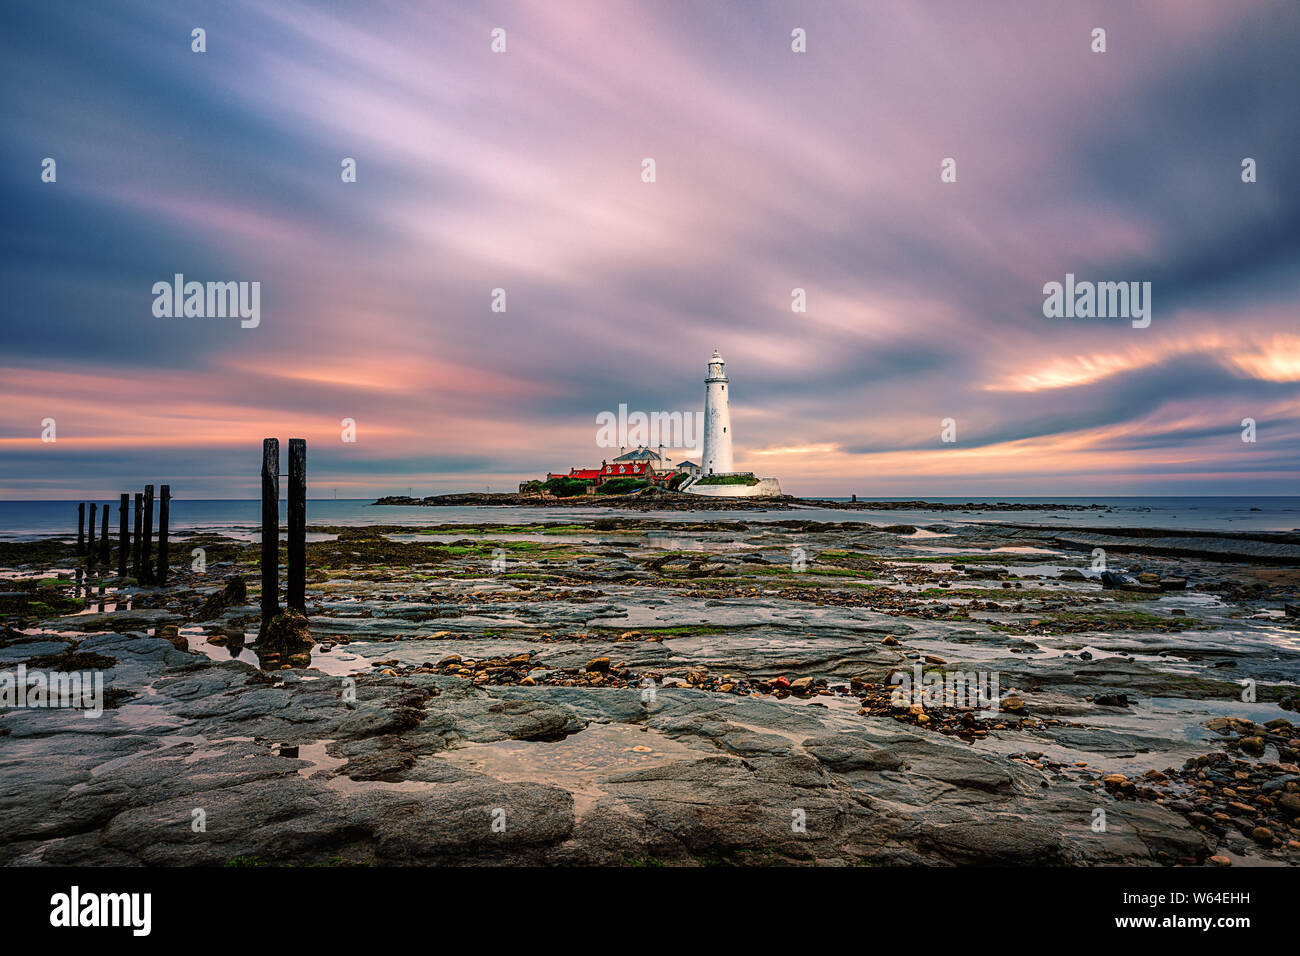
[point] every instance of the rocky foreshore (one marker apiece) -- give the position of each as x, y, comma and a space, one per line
630, 691
660, 499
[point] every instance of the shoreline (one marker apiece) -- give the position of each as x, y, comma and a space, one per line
660, 499
504, 667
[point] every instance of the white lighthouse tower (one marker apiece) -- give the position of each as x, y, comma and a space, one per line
717, 420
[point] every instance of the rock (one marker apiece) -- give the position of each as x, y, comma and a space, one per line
1220, 861
1290, 802
1262, 835
234, 594
1111, 700
1012, 704
889, 640
1229, 725
1253, 746
172, 633
802, 686
287, 639
1000, 842
599, 665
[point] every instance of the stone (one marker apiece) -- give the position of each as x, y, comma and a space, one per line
234, 594
287, 636
1253, 746
1290, 802
172, 634
802, 686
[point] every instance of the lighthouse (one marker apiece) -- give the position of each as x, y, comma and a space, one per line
717, 420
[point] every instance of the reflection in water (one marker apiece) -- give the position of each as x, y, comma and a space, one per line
231, 643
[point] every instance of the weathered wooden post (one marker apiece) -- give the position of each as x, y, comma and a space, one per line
164, 502
146, 555
296, 586
103, 537
81, 528
139, 526
123, 534
270, 530
90, 538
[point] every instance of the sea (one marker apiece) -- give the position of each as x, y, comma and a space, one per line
26, 520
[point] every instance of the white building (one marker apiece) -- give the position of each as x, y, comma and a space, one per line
717, 458
659, 460
718, 476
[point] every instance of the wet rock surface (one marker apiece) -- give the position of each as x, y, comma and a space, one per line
627, 691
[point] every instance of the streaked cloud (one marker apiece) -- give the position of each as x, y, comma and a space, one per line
775, 171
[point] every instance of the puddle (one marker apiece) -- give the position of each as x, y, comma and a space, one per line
335, 662
578, 763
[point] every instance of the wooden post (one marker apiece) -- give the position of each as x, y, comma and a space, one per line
103, 537
81, 528
139, 527
123, 534
90, 538
270, 530
164, 502
146, 556
296, 586
146, 552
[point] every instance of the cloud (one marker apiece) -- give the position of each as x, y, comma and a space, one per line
775, 171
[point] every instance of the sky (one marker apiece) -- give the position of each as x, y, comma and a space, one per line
774, 170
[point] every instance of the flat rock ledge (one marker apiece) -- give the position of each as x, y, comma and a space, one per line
217, 763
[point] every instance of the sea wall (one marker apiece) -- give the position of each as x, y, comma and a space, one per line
766, 488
